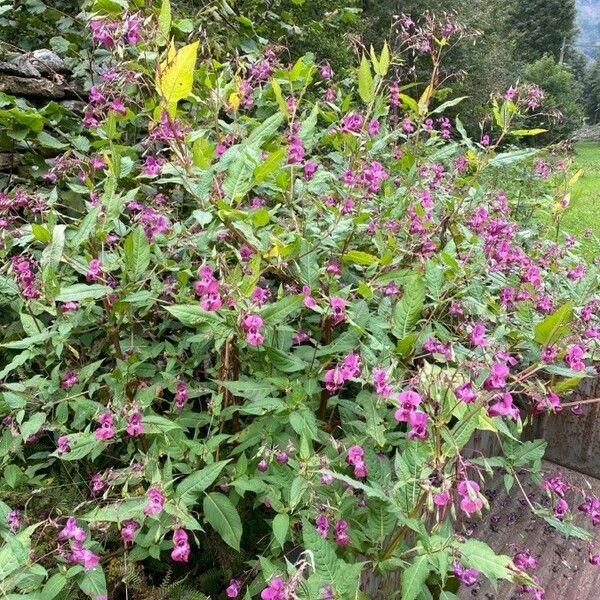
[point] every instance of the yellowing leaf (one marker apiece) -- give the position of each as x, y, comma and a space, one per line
279, 97
425, 98
234, 101
575, 178
384, 60
175, 76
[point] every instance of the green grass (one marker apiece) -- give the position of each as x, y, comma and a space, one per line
584, 210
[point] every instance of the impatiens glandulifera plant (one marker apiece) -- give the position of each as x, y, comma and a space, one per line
251, 325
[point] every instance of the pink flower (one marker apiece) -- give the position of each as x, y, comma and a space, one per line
525, 561
252, 325
94, 271
128, 530
181, 395
561, 508
471, 501
373, 128
497, 378
69, 379
418, 421
341, 536
322, 525
477, 335
106, 431
156, 501
98, 484
274, 591
381, 383
355, 457
467, 577
135, 426
71, 531
550, 402
409, 401
466, 393
84, 556
442, 498
574, 356
13, 520
181, 550
152, 166
233, 589
62, 445
504, 408
338, 305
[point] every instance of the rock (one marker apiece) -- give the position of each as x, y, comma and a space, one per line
37, 63
41, 88
8, 160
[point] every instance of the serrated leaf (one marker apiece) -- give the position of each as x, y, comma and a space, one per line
192, 314
358, 257
277, 312
414, 578
137, 253
479, 555
199, 481
81, 291
53, 252
269, 165
164, 18
384, 59
326, 560
224, 518
408, 309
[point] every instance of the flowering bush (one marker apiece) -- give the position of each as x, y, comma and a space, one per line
252, 319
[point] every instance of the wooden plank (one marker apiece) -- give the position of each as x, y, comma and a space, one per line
563, 567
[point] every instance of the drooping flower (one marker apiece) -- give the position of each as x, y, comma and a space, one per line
355, 457
106, 431
181, 549
466, 393
233, 589
467, 576
69, 379
156, 501
62, 445
71, 531
471, 501
408, 400
322, 525
477, 335
84, 556
504, 407
418, 421
525, 561
181, 395
13, 520
135, 426
341, 533
275, 590
252, 325
128, 530
338, 305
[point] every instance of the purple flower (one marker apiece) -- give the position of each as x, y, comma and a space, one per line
106, 431
418, 421
504, 407
181, 395
338, 305
71, 531
98, 484
355, 457
128, 530
497, 378
62, 445
322, 525
181, 549
561, 508
467, 576
156, 501
471, 501
466, 393
84, 556
69, 379
574, 356
252, 325
13, 520
262, 466
233, 589
341, 533
94, 271
477, 335
525, 561
134, 425
408, 401
274, 591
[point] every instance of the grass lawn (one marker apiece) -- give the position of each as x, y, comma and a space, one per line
584, 211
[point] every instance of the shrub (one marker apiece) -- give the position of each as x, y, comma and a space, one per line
252, 318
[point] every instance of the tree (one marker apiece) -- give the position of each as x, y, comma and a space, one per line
542, 27
563, 101
593, 93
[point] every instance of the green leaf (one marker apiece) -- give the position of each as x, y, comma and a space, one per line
279, 97
224, 518
448, 104
137, 253
28, 342
566, 528
265, 131
53, 587
281, 525
164, 18
277, 312
49, 141
93, 582
269, 165
326, 560
366, 84
408, 309
479, 555
40, 233
86, 227
192, 314
512, 157
81, 291
529, 452
384, 59
199, 481
359, 258
249, 388
33, 425
239, 180
157, 424
554, 326
414, 578
53, 252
